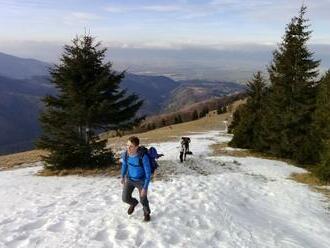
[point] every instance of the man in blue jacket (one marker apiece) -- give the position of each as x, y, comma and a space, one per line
135, 173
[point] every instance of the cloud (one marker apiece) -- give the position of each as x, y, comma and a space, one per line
271, 10
186, 10
149, 8
162, 8
80, 18
83, 16
116, 9
260, 10
182, 9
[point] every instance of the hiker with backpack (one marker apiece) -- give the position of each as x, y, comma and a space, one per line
184, 148
138, 164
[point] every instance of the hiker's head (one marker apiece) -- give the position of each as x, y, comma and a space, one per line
133, 144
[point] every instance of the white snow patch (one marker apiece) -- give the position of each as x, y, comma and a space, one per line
265, 167
205, 202
233, 149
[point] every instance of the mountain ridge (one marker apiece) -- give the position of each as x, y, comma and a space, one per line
20, 101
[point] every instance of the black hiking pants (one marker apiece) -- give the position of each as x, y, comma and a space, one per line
182, 157
127, 194
183, 152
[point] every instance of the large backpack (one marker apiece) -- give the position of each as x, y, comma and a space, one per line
152, 155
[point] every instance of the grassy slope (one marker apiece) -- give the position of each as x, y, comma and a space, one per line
168, 133
171, 133
158, 135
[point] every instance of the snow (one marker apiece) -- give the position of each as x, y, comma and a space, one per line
208, 201
233, 149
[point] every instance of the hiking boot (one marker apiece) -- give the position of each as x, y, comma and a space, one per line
131, 209
146, 217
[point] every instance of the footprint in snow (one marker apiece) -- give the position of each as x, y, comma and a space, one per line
32, 225
20, 240
73, 203
16, 243
121, 234
57, 227
139, 237
6, 221
102, 235
47, 206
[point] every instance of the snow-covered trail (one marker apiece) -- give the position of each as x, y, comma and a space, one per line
205, 202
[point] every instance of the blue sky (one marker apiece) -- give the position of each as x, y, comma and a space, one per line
168, 24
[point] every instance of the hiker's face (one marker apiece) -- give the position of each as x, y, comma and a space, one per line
131, 148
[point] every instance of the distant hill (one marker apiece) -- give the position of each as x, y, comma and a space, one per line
20, 98
192, 91
20, 104
155, 90
20, 68
186, 113
19, 110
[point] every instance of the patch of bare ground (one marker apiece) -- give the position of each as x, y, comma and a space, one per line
311, 180
22, 159
111, 171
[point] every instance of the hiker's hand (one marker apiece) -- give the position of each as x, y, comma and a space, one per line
144, 192
122, 181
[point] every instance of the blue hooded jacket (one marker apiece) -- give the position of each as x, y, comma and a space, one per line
134, 171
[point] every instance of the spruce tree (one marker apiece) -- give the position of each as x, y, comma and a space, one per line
88, 101
247, 121
204, 112
236, 120
321, 127
323, 171
293, 75
179, 119
242, 135
221, 110
195, 115
321, 116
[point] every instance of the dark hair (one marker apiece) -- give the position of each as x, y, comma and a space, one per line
134, 140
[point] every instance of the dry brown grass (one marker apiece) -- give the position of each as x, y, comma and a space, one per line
113, 171
306, 178
17, 159
171, 133
324, 191
311, 180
